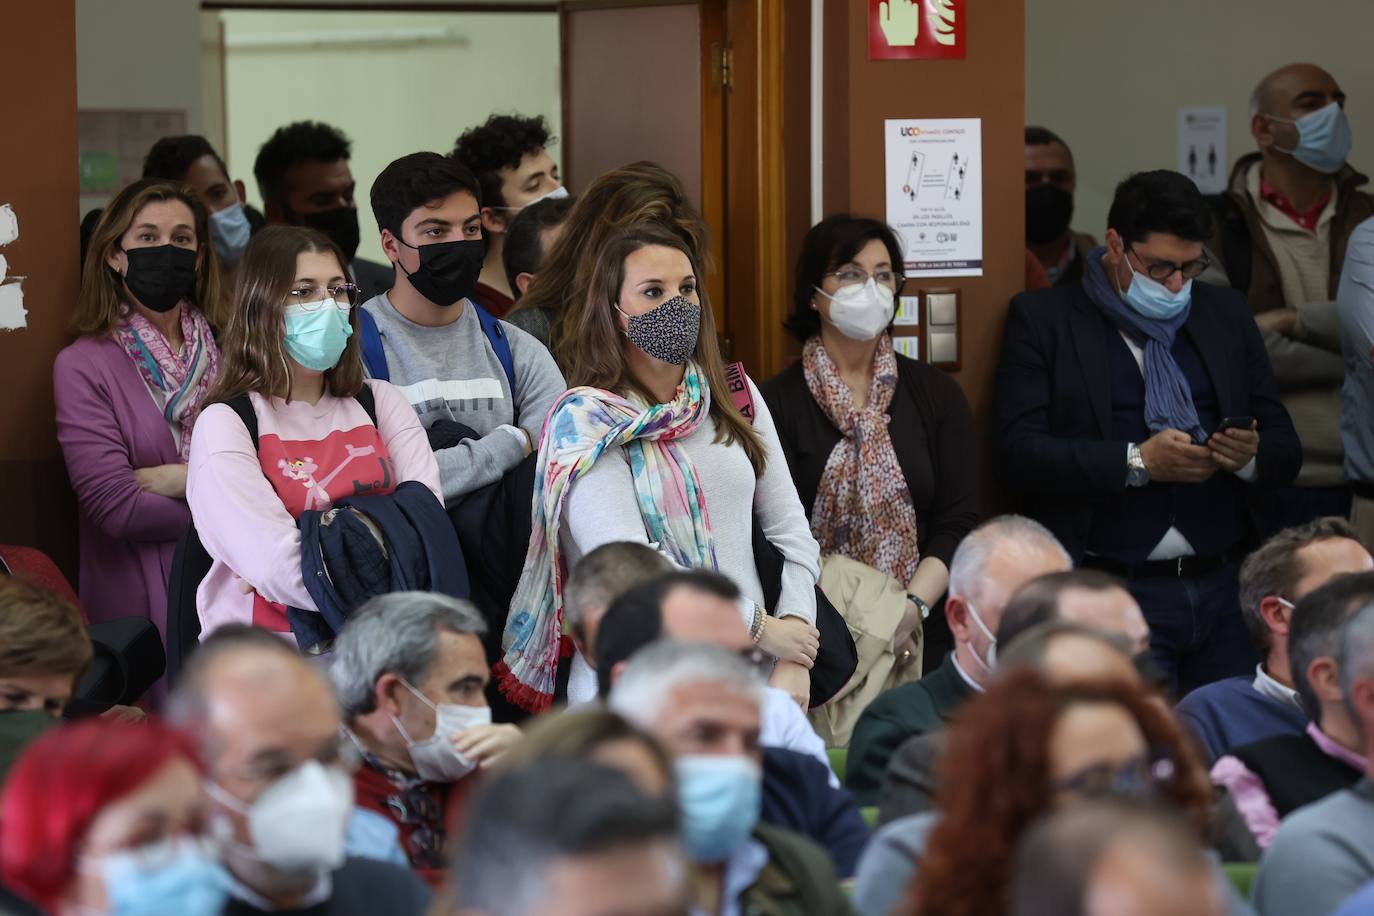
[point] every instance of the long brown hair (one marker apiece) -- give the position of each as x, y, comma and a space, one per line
642, 192
995, 780
594, 353
102, 289
253, 349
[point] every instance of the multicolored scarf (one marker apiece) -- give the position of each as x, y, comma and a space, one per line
179, 381
863, 507
583, 424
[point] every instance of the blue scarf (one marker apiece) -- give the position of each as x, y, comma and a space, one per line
1168, 399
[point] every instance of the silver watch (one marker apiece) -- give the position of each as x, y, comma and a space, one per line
1137, 475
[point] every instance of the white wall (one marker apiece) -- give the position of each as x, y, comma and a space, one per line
1109, 77
138, 54
390, 93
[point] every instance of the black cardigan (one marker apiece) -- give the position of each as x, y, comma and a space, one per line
932, 434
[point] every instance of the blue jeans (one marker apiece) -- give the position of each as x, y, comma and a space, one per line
1197, 634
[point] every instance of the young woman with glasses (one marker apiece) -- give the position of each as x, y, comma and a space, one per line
292, 349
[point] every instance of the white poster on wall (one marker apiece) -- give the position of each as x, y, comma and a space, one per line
935, 194
1202, 147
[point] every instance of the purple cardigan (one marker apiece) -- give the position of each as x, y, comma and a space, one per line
108, 425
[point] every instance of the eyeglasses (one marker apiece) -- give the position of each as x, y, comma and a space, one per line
755, 657
311, 298
1159, 271
1139, 776
851, 275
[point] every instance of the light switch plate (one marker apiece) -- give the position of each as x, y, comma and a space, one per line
943, 347
942, 308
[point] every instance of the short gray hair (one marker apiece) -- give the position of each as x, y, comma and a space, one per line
394, 633
1356, 654
654, 672
1008, 532
605, 574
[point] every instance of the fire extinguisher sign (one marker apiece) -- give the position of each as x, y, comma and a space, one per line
916, 29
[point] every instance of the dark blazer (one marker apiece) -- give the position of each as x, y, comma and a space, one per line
797, 795
912, 777
1053, 402
933, 437
900, 713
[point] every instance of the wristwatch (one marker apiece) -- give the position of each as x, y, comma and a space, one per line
1137, 475
920, 604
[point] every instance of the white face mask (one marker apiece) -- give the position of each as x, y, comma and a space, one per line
435, 758
298, 824
861, 311
990, 662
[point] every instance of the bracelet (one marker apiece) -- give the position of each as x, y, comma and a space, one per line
756, 628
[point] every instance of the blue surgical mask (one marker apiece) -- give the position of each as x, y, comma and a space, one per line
316, 333
1323, 138
720, 797
173, 876
229, 232
1153, 299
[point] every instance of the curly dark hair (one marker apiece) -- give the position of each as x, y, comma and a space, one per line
499, 144
289, 146
995, 781
171, 157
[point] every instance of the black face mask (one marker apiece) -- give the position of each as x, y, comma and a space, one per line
339, 224
448, 271
161, 277
1049, 210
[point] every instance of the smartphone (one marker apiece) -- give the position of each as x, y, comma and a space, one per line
1236, 423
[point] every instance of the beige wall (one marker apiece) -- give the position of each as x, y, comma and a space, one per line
390, 92
1109, 77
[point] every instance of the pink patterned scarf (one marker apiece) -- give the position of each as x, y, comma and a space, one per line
863, 508
179, 381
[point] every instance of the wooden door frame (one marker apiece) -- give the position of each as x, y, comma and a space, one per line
756, 283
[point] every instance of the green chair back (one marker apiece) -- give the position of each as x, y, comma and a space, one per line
839, 756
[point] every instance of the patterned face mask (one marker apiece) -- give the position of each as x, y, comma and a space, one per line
667, 332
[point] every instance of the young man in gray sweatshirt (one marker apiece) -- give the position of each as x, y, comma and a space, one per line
436, 349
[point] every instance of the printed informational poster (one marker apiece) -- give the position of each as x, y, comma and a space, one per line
935, 194
909, 346
916, 29
113, 144
908, 311
1202, 147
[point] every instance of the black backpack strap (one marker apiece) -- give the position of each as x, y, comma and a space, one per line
242, 406
366, 398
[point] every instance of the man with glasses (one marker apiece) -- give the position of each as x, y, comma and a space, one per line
411, 673
279, 790
800, 791
1265, 703
1139, 419
1283, 227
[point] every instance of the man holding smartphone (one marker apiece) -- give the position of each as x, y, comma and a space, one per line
1138, 416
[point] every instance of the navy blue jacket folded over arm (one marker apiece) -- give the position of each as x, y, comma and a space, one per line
797, 795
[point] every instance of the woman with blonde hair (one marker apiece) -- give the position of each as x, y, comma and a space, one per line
649, 446
323, 433
634, 194
130, 388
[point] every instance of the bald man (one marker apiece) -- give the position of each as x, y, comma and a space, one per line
279, 795
1281, 236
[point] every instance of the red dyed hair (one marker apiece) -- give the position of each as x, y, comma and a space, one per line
995, 780
61, 782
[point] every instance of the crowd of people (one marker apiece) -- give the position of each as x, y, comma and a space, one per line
455, 607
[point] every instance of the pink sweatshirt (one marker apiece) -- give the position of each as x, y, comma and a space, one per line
245, 504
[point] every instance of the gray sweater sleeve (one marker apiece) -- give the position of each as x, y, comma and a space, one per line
537, 380
1315, 861
474, 463
783, 520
